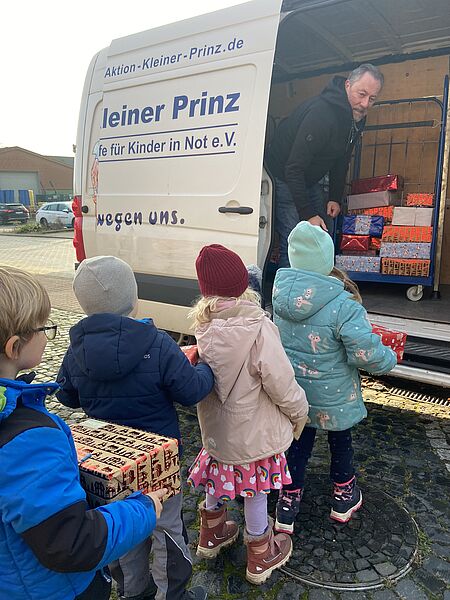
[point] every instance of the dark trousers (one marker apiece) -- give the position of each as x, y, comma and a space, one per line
99, 588
341, 466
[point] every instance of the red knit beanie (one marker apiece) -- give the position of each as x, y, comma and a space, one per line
221, 272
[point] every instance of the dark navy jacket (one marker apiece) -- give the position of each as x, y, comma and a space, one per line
51, 543
129, 372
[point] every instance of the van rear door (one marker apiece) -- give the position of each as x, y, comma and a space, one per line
174, 124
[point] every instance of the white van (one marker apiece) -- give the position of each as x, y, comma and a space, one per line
173, 125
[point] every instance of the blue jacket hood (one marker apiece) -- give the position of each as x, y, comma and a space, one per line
12, 389
107, 346
304, 293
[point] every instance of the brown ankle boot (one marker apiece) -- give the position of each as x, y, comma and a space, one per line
265, 553
215, 531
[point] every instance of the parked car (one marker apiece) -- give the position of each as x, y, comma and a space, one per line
59, 213
13, 212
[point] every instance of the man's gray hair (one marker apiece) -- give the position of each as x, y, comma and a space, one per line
366, 68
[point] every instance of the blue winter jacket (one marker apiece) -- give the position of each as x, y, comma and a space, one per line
327, 337
51, 543
129, 372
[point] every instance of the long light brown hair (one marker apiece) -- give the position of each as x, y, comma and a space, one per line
202, 310
349, 285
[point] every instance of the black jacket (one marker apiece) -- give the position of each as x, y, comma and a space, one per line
316, 138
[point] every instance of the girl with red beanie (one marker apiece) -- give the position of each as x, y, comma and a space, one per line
249, 420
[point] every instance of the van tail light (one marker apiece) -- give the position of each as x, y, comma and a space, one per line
78, 243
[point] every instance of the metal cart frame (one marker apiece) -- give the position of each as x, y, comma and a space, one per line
415, 292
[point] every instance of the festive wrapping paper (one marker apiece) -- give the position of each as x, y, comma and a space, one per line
363, 225
373, 199
393, 339
393, 183
355, 242
407, 267
405, 250
191, 353
419, 199
383, 211
362, 264
407, 233
369, 252
413, 216
115, 461
375, 243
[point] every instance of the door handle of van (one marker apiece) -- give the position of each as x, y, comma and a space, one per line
240, 210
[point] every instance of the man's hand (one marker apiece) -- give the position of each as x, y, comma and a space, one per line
156, 497
333, 209
318, 222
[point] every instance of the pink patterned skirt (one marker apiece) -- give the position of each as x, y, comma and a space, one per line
228, 481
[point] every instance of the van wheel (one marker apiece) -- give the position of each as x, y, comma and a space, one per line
43, 222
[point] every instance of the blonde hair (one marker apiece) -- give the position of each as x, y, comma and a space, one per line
202, 310
24, 305
349, 285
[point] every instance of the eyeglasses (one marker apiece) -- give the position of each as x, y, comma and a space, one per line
50, 330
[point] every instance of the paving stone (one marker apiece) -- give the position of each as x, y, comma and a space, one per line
318, 594
385, 569
429, 581
291, 591
438, 567
367, 575
408, 590
383, 595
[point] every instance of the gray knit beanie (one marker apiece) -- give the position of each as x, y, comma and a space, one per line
105, 284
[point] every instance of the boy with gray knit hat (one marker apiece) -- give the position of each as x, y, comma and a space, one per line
126, 371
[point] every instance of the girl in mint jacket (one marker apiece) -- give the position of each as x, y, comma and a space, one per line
327, 336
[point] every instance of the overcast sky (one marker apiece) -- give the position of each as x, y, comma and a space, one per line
46, 47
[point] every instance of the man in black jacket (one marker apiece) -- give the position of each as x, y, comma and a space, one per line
315, 139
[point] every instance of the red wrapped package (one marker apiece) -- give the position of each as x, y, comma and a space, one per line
383, 211
419, 199
407, 233
383, 183
375, 243
355, 242
191, 353
394, 339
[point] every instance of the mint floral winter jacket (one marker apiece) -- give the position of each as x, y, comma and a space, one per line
327, 337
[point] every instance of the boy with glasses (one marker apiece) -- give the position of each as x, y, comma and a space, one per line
51, 545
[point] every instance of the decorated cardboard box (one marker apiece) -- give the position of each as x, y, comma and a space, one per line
405, 250
392, 183
413, 216
373, 199
386, 212
393, 339
407, 233
115, 461
363, 225
406, 267
363, 264
191, 353
355, 242
369, 252
375, 243
419, 199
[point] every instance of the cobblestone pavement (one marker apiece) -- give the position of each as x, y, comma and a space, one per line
38, 255
401, 449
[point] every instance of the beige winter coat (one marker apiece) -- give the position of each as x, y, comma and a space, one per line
256, 401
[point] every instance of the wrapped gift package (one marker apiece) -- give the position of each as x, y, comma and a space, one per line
375, 243
362, 264
413, 216
405, 250
115, 461
373, 199
407, 233
407, 267
392, 183
370, 252
363, 225
355, 242
419, 199
393, 339
386, 212
191, 353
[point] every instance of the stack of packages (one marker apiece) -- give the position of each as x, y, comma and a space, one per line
370, 208
406, 244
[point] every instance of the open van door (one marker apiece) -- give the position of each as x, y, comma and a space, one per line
170, 150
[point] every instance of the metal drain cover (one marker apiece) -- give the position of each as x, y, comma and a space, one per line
378, 544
